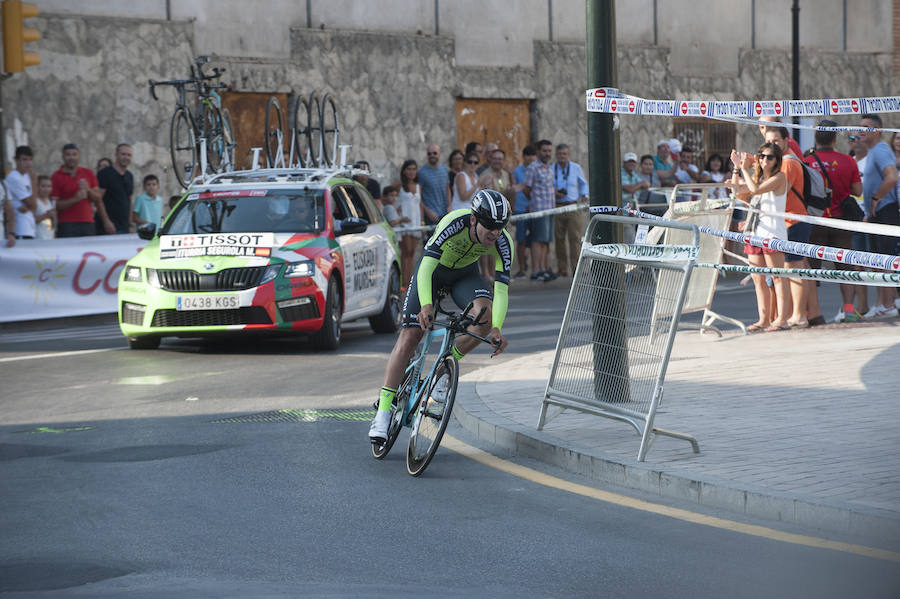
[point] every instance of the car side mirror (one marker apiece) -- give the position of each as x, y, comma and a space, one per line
352, 225
146, 231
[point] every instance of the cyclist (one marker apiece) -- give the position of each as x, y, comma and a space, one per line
450, 263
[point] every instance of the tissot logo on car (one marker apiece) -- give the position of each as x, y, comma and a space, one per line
216, 244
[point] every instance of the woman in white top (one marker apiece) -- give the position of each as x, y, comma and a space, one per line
768, 183
409, 200
466, 183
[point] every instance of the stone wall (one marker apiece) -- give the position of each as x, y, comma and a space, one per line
397, 91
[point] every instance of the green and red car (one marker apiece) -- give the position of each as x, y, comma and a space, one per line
267, 250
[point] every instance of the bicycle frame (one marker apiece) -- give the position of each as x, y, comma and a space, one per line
418, 389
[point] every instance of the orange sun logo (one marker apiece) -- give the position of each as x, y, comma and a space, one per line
43, 283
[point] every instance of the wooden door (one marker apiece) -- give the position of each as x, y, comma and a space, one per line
248, 115
504, 122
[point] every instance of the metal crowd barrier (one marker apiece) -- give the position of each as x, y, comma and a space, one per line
617, 332
704, 212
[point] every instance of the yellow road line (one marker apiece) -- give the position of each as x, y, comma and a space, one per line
548, 480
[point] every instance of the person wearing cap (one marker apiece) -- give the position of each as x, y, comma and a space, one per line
365, 178
663, 164
842, 177
632, 182
76, 195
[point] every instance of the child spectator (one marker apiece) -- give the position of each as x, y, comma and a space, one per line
45, 213
149, 205
389, 208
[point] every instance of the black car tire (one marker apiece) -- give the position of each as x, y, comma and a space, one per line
329, 336
145, 342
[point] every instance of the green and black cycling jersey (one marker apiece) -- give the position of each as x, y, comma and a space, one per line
451, 246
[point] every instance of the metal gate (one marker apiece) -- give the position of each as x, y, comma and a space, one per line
618, 331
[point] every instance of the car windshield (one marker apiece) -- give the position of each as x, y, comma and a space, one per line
245, 211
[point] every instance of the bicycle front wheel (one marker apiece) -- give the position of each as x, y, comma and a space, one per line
183, 147
274, 132
380, 450
433, 416
330, 131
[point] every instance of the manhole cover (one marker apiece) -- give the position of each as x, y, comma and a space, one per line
302, 416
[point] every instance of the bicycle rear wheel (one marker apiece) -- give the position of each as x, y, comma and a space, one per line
400, 399
330, 131
182, 147
230, 143
274, 131
432, 418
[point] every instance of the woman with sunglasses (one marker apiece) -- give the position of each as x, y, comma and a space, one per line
466, 183
763, 178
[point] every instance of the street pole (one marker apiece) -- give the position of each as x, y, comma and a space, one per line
795, 59
610, 357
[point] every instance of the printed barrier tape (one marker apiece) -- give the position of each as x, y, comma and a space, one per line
646, 253
515, 218
842, 255
834, 223
612, 101
852, 277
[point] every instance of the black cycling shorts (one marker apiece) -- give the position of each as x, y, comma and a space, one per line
462, 284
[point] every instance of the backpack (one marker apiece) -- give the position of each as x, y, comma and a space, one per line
815, 196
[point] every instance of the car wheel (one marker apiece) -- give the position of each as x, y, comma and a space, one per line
329, 336
388, 320
145, 342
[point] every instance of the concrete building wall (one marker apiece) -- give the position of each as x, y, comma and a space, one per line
397, 90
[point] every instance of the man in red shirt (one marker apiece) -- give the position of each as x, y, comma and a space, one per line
77, 195
803, 297
842, 175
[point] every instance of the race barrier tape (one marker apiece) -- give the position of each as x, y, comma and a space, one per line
647, 253
853, 277
833, 223
842, 255
63, 277
612, 101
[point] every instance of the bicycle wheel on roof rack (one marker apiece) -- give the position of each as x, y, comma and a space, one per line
303, 120
314, 131
183, 147
330, 130
274, 132
213, 128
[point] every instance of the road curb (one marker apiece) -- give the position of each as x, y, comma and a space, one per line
494, 429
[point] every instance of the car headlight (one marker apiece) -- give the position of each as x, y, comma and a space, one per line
270, 274
133, 274
304, 268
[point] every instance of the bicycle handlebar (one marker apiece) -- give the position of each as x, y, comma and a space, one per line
197, 77
460, 323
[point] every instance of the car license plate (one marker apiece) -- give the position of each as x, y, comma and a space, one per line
208, 302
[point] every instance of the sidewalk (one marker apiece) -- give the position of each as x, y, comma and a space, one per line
798, 426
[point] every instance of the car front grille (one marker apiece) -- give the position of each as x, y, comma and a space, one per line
230, 279
210, 318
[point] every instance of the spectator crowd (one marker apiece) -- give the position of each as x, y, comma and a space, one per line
75, 201
863, 186
544, 178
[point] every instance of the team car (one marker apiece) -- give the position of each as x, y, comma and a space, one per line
267, 250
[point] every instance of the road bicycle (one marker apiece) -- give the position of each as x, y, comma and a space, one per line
313, 135
424, 403
201, 139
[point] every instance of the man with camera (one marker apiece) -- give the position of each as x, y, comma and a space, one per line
571, 188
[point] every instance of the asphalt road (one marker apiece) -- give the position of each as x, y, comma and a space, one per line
172, 473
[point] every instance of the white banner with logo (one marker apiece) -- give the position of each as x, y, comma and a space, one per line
72, 276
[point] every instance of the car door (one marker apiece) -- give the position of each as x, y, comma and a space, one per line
367, 255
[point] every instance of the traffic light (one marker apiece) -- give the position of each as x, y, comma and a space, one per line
15, 34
